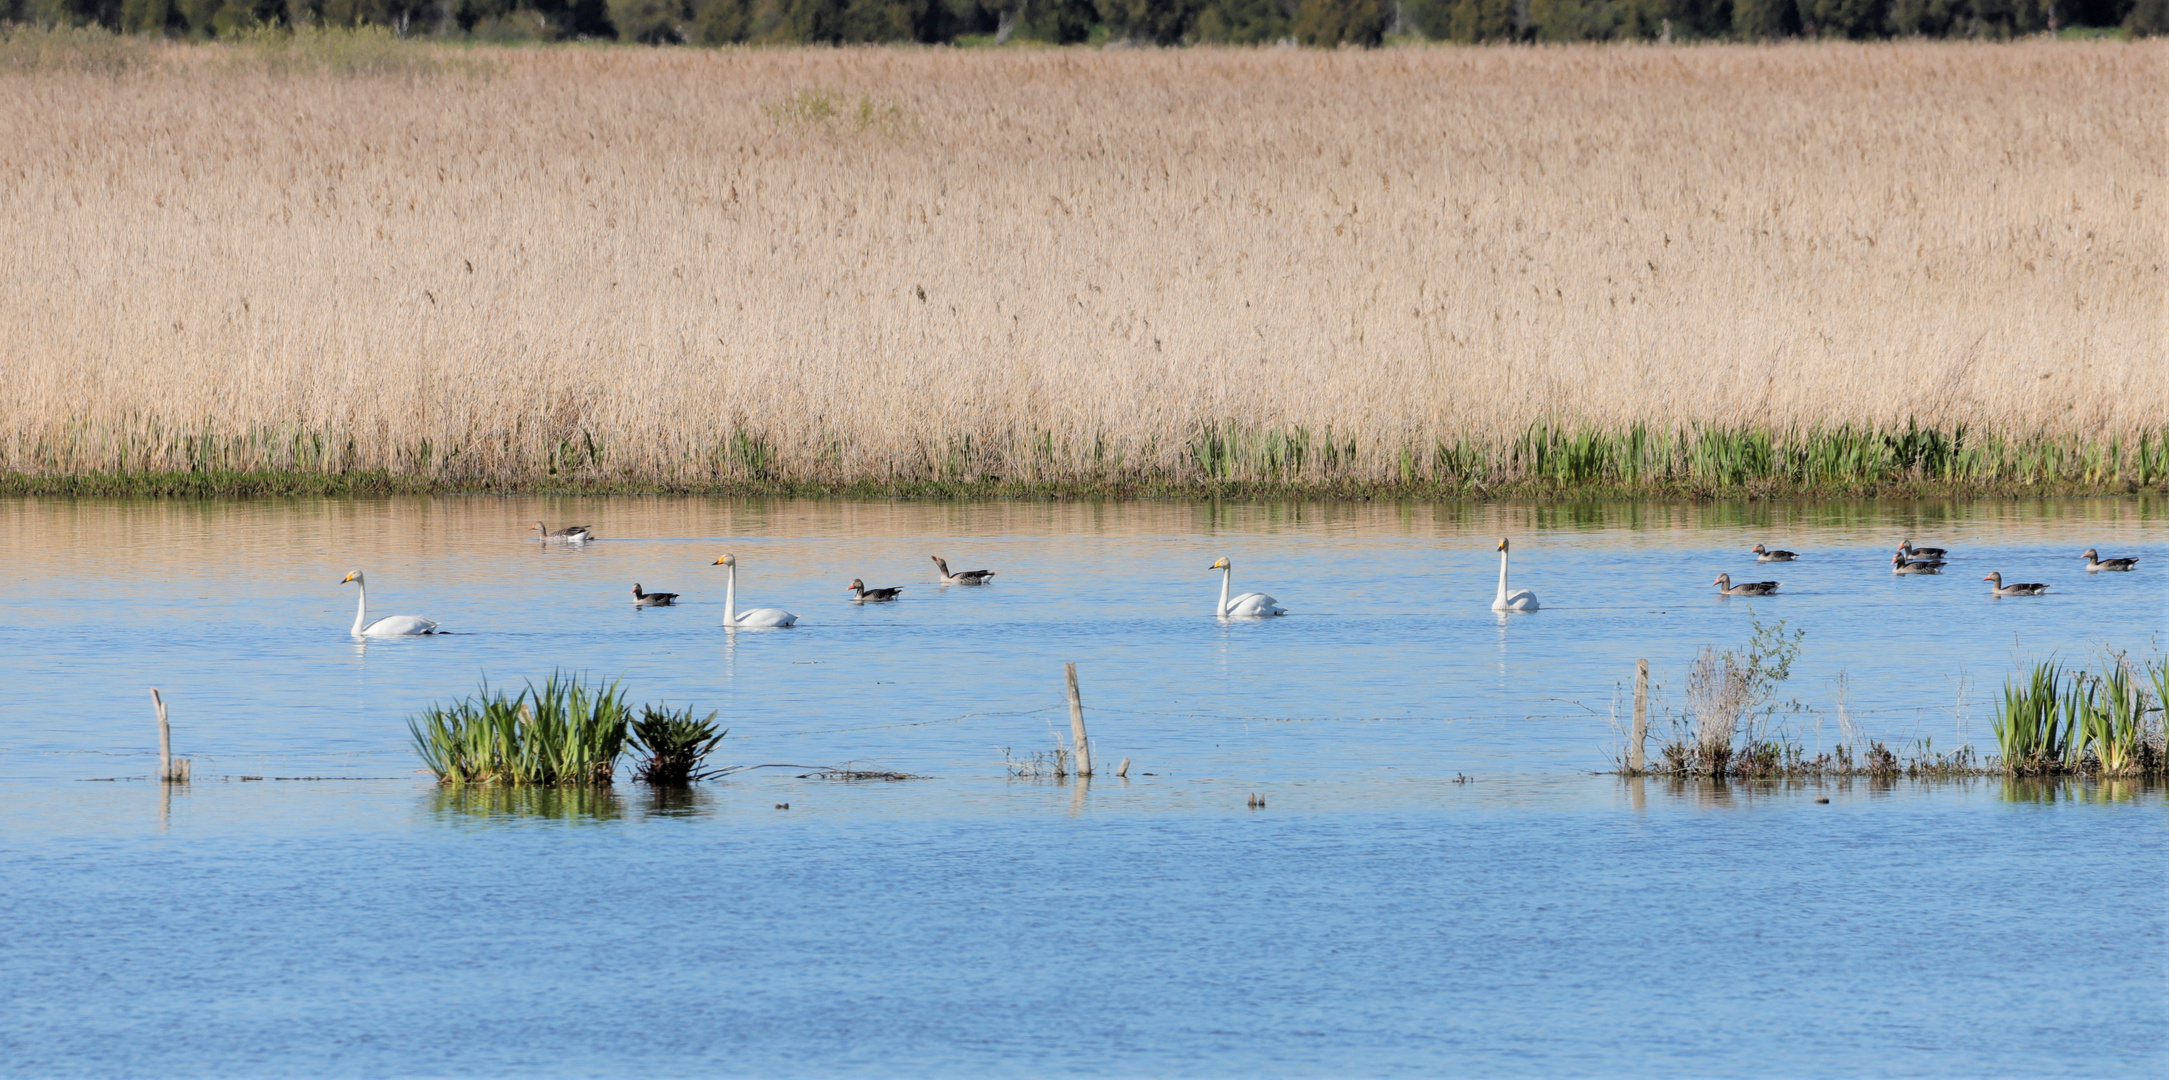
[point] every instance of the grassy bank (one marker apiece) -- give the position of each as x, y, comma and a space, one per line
1545, 462
1836, 269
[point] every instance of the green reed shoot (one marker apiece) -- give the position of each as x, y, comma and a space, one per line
563, 732
2027, 730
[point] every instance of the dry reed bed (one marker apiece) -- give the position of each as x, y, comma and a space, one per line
678, 267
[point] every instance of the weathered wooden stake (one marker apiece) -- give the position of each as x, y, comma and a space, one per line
1076, 723
1124, 770
165, 737
169, 768
1641, 717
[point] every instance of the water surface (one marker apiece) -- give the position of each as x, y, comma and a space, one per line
1438, 883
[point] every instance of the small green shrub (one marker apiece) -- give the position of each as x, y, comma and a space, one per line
675, 746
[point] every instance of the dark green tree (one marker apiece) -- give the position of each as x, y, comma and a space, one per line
1161, 22
1342, 22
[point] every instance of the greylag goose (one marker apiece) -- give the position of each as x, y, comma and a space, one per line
1763, 554
1899, 564
2023, 588
577, 534
1746, 588
388, 626
765, 618
1250, 605
1906, 548
652, 599
2095, 563
961, 577
864, 595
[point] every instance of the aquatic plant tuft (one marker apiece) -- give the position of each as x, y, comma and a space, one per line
674, 746
566, 731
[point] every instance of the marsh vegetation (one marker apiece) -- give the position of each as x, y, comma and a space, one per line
569, 731
1711, 270
2051, 721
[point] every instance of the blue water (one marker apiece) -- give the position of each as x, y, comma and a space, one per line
1438, 882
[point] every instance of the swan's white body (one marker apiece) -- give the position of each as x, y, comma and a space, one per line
388, 626
768, 617
1518, 600
1250, 605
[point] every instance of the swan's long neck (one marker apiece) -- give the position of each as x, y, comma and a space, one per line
361, 606
730, 595
1502, 575
1225, 574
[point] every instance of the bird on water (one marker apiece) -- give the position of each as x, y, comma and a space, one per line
1516, 600
389, 626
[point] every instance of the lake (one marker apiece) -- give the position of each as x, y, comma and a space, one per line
1440, 881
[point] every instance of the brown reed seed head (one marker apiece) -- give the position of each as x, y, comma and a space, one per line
846, 264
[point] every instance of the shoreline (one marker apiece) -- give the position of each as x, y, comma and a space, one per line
299, 483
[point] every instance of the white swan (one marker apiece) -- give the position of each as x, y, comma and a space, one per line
388, 626
1519, 600
1250, 605
767, 616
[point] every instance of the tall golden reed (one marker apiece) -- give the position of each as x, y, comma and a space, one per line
863, 264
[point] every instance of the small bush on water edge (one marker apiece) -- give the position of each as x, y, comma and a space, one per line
676, 745
563, 732
2051, 722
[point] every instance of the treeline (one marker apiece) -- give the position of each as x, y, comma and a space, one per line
1064, 22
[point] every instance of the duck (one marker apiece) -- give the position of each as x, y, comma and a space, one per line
1899, 564
1906, 548
1250, 605
1517, 600
2026, 588
1763, 554
864, 595
1725, 587
390, 626
759, 618
576, 534
652, 599
2095, 563
962, 577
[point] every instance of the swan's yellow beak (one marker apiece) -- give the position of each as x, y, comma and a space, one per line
349, 577
726, 560
1502, 545
1218, 564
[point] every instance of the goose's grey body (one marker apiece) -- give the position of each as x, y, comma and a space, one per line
1907, 549
1899, 564
961, 577
652, 599
1746, 588
2095, 563
863, 595
2020, 588
573, 534
1763, 554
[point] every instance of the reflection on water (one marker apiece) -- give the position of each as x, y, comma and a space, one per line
568, 804
2085, 790
574, 804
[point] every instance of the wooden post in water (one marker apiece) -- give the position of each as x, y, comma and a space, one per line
165, 737
169, 768
1083, 747
1641, 717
